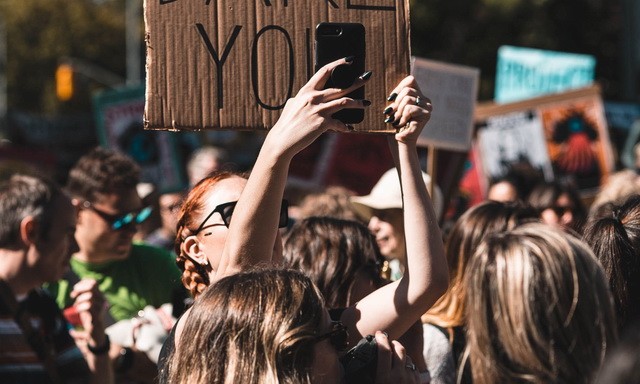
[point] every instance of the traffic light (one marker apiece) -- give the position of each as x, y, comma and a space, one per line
64, 82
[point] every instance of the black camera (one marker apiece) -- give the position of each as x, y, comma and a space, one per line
360, 362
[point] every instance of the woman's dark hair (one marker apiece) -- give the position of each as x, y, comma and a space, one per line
615, 240
333, 252
544, 195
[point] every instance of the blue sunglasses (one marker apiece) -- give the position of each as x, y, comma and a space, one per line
121, 221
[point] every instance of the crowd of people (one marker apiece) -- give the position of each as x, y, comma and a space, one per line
237, 285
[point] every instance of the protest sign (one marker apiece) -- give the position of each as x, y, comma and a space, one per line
118, 116
453, 90
523, 73
234, 64
622, 130
563, 135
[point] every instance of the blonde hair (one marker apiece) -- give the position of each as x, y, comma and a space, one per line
619, 187
539, 308
253, 327
465, 236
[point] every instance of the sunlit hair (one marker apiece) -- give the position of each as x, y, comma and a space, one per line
333, 202
615, 240
465, 236
100, 171
22, 196
195, 277
334, 253
616, 190
539, 308
254, 327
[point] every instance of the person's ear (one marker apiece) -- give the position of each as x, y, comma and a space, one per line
28, 230
191, 247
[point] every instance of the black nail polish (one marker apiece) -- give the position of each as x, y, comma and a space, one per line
349, 59
366, 102
396, 123
350, 127
388, 119
392, 97
366, 75
388, 110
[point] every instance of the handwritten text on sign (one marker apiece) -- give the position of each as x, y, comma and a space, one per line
233, 65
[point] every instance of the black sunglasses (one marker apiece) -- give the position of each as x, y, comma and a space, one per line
120, 221
226, 211
338, 336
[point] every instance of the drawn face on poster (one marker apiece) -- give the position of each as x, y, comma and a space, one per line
574, 137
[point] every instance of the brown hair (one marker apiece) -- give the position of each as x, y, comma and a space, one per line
22, 196
333, 253
195, 277
465, 236
615, 240
102, 171
539, 308
253, 327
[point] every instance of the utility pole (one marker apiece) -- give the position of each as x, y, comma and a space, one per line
133, 15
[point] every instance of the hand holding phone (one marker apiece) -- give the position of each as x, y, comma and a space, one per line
334, 41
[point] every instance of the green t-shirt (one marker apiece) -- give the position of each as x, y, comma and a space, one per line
149, 276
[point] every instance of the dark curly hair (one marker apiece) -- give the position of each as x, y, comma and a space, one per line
101, 171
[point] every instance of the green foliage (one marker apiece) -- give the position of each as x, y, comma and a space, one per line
469, 32
42, 33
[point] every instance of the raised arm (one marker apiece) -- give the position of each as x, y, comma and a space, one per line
396, 306
254, 227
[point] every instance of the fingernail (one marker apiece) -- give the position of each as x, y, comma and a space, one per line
366, 102
349, 59
395, 123
388, 119
392, 97
385, 334
387, 110
350, 127
366, 75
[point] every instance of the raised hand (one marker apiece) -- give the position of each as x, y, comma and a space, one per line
308, 114
409, 110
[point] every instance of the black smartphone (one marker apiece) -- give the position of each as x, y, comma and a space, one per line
360, 362
334, 41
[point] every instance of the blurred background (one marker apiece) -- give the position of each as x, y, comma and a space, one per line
56, 55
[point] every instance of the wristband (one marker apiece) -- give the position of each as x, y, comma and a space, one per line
102, 349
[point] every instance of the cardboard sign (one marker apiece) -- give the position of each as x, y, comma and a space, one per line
453, 90
523, 73
234, 64
119, 120
564, 135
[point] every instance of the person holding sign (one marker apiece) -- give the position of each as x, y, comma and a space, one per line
250, 235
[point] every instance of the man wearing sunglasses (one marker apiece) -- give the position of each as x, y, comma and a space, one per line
132, 276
